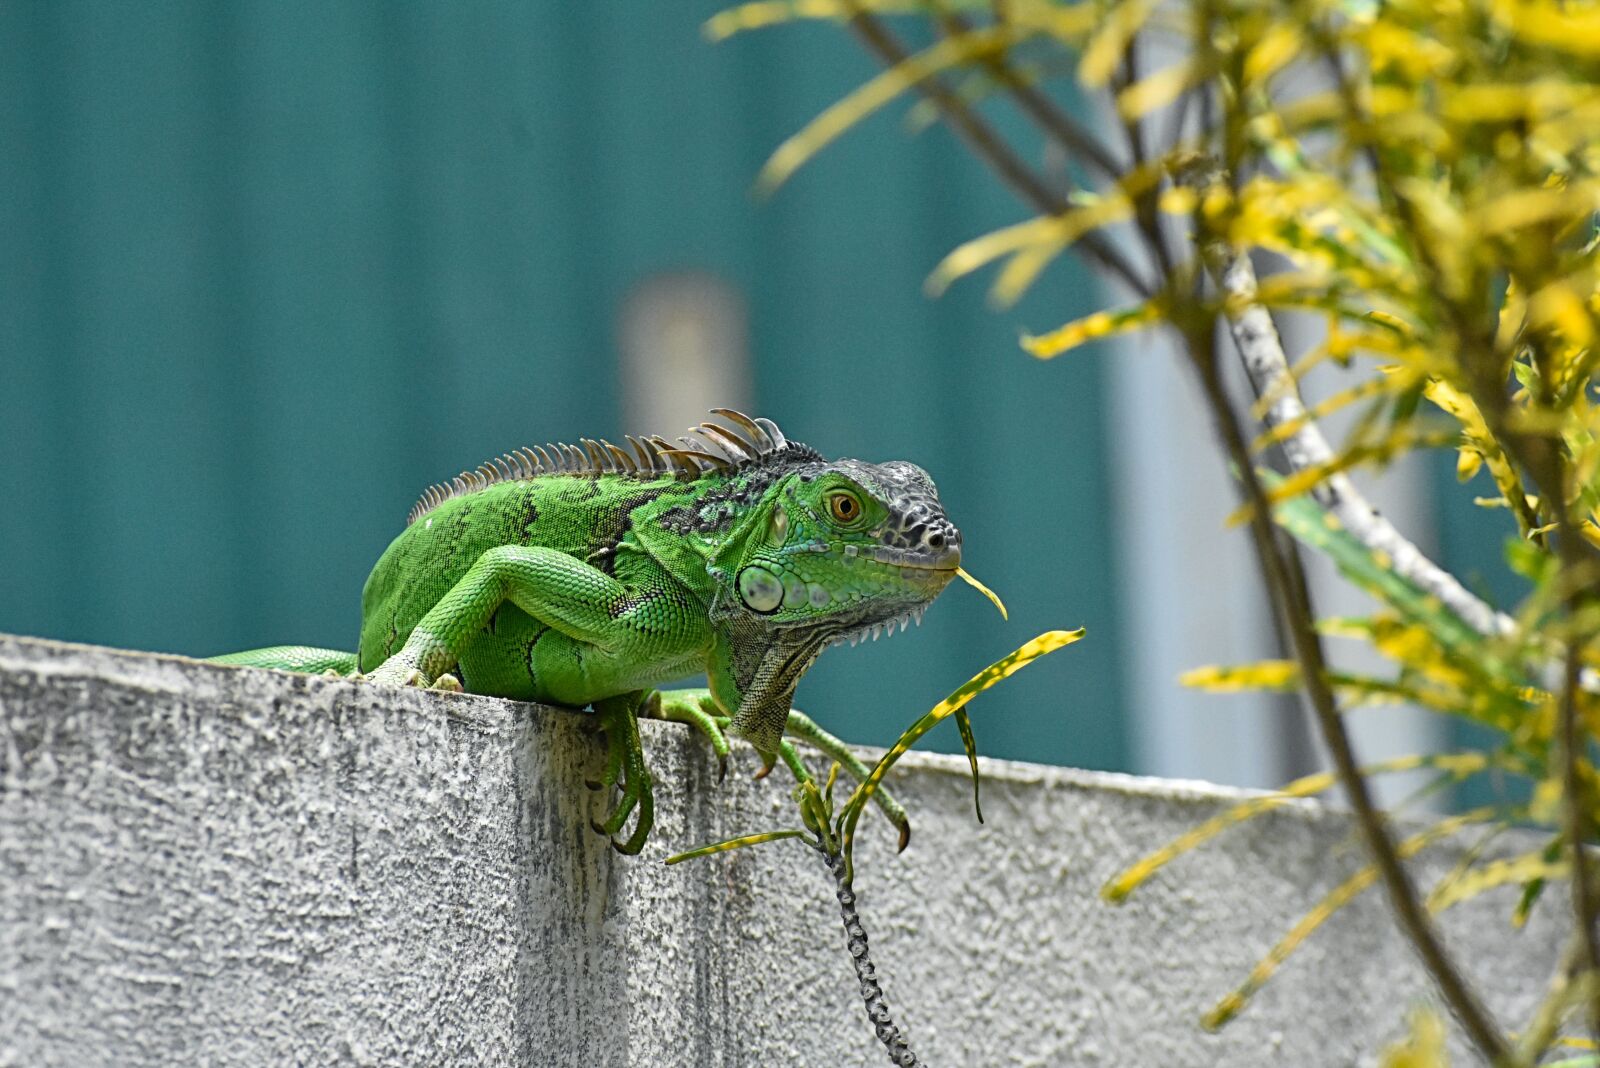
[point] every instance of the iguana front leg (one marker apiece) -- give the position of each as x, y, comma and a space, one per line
620, 629
699, 709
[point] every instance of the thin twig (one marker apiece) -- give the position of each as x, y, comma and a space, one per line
1146, 215
992, 149
1039, 108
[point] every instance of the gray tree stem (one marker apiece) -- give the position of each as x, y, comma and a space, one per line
1261, 350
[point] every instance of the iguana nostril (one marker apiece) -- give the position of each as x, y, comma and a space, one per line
936, 541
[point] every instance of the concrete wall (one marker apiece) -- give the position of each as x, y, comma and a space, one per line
215, 865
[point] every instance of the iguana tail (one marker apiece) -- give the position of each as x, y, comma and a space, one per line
302, 658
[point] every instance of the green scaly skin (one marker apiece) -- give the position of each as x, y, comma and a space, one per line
589, 576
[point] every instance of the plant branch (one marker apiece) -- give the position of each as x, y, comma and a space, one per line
993, 150
1295, 617
1146, 215
1039, 108
1262, 353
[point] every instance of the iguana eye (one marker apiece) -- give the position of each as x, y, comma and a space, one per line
844, 507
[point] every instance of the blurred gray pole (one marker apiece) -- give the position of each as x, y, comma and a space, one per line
684, 345
1194, 597
1191, 595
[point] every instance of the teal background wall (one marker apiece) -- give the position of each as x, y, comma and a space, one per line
267, 269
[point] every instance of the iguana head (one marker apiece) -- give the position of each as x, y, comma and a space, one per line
804, 553
844, 549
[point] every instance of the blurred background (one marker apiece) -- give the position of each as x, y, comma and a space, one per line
268, 269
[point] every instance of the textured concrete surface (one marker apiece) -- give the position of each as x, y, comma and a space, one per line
205, 865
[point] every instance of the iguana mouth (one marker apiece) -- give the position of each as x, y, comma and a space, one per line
916, 560
919, 561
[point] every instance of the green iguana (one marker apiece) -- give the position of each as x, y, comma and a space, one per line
587, 576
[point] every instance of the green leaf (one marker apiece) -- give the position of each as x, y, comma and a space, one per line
1008, 665
737, 843
1534, 888
964, 725
1314, 527
1536, 565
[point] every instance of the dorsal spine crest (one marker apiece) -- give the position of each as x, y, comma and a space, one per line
709, 448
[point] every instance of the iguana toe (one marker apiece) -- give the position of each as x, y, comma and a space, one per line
803, 727
626, 769
396, 671
698, 709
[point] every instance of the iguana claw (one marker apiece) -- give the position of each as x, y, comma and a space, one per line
700, 710
805, 728
395, 671
625, 767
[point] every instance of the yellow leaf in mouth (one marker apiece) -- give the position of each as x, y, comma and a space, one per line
986, 591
